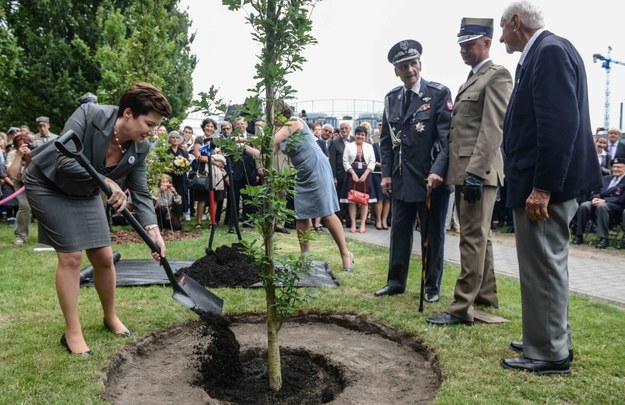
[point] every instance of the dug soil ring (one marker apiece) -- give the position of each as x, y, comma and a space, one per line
378, 364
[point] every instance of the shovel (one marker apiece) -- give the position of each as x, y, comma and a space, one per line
234, 205
187, 291
233, 212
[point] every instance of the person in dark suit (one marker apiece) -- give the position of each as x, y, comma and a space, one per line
244, 173
476, 168
548, 108
335, 154
605, 205
414, 143
322, 138
67, 204
615, 147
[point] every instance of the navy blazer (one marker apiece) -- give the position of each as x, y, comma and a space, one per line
93, 124
620, 151
323, 146
335, 154
548, 111
614, 195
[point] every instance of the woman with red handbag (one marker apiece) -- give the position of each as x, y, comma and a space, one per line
359, 162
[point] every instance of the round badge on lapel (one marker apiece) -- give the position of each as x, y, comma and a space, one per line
131, 159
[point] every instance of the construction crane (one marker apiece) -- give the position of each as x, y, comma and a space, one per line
607, 62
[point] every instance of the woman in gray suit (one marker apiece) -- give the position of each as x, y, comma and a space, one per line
66, 200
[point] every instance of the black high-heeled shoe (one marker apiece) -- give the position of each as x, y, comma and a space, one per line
64, 343
126, 333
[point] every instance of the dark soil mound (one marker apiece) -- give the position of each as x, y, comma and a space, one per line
306, 379
225, 267
217, 353
227, 375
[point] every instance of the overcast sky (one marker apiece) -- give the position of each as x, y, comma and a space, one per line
354, 36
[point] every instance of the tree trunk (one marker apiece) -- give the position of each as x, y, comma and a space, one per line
273, 341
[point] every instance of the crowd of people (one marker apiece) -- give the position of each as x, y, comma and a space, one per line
433, 163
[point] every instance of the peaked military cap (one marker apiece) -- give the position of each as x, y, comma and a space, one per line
618, 160
405, 50
42, 119
473, 28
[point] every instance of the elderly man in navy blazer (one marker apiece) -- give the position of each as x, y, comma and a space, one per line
603, 206
548, 111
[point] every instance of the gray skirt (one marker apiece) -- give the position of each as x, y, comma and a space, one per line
68, 224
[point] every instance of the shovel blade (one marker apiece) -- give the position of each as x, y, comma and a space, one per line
197, 298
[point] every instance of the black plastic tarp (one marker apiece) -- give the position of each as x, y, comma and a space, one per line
139, 272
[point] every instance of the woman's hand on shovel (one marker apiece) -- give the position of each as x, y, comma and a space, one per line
118, 198
155, 234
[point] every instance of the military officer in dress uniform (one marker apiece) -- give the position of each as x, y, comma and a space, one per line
414, 147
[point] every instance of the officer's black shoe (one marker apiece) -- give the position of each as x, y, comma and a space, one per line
447, 319
621, 244
603, 243
578, 240
388, 290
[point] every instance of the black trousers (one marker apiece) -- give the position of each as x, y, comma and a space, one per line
402, 227
602, 213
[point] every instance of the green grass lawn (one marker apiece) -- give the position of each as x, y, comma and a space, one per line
36, 369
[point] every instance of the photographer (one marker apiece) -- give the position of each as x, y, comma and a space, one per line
18, 160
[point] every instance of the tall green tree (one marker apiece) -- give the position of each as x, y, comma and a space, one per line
146, 40
53, 51
53, 64
9, 51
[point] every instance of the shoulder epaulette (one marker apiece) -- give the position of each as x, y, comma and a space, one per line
436, 86
394, 90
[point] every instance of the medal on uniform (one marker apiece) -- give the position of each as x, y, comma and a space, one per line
419, 127
131, 159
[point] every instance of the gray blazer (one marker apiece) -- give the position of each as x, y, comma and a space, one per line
93, 124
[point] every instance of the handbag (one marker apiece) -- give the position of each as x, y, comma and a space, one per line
358, 196
199, 183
